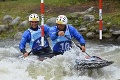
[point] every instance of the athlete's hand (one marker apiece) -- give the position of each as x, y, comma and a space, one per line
83, 48
61, 33
25, 54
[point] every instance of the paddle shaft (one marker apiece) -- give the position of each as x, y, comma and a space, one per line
36, 46
76, 44
30, 51
33, 49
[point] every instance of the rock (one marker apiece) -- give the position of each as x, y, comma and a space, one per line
106, 36
51, 21
2, 28
114, 28
18, 36
116, 33
118, 39
89, 18
76, 14
24, 23
7, 19
90, 35
89, 10
15, 21
82, 28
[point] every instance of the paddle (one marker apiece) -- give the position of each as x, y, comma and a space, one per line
94, 63
31, 50
76, 44
81, 48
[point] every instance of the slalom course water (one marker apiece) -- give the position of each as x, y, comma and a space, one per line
59, 67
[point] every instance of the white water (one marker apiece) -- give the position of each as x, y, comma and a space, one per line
12, 67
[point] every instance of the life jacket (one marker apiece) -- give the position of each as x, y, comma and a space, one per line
62, 44
35, 42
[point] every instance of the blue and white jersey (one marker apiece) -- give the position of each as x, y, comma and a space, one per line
61, 43
33, 37
35, 42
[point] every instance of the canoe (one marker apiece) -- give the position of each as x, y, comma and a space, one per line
91, 63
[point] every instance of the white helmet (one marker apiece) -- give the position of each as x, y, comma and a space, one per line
34, 17
61, 19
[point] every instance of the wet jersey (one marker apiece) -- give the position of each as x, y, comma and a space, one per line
33, 37
61, 44
35, 42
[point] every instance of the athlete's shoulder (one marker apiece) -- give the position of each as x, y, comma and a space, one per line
45, 25
26, 33
53, 27
70, 26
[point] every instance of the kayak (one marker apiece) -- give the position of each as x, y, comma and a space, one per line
42, 57
45, 56
92, 63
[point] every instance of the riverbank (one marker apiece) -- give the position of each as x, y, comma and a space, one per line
76, 11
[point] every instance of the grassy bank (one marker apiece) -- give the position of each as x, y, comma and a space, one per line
23, 8
18, 8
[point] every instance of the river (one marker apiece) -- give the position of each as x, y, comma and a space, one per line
61, 67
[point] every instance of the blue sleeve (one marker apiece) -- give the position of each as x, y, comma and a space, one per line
25, 39
46, 30
52, 32
74, 32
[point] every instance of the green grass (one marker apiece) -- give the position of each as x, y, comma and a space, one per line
17, 8
23, 8
64, 3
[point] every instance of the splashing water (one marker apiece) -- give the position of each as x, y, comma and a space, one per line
60, 67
